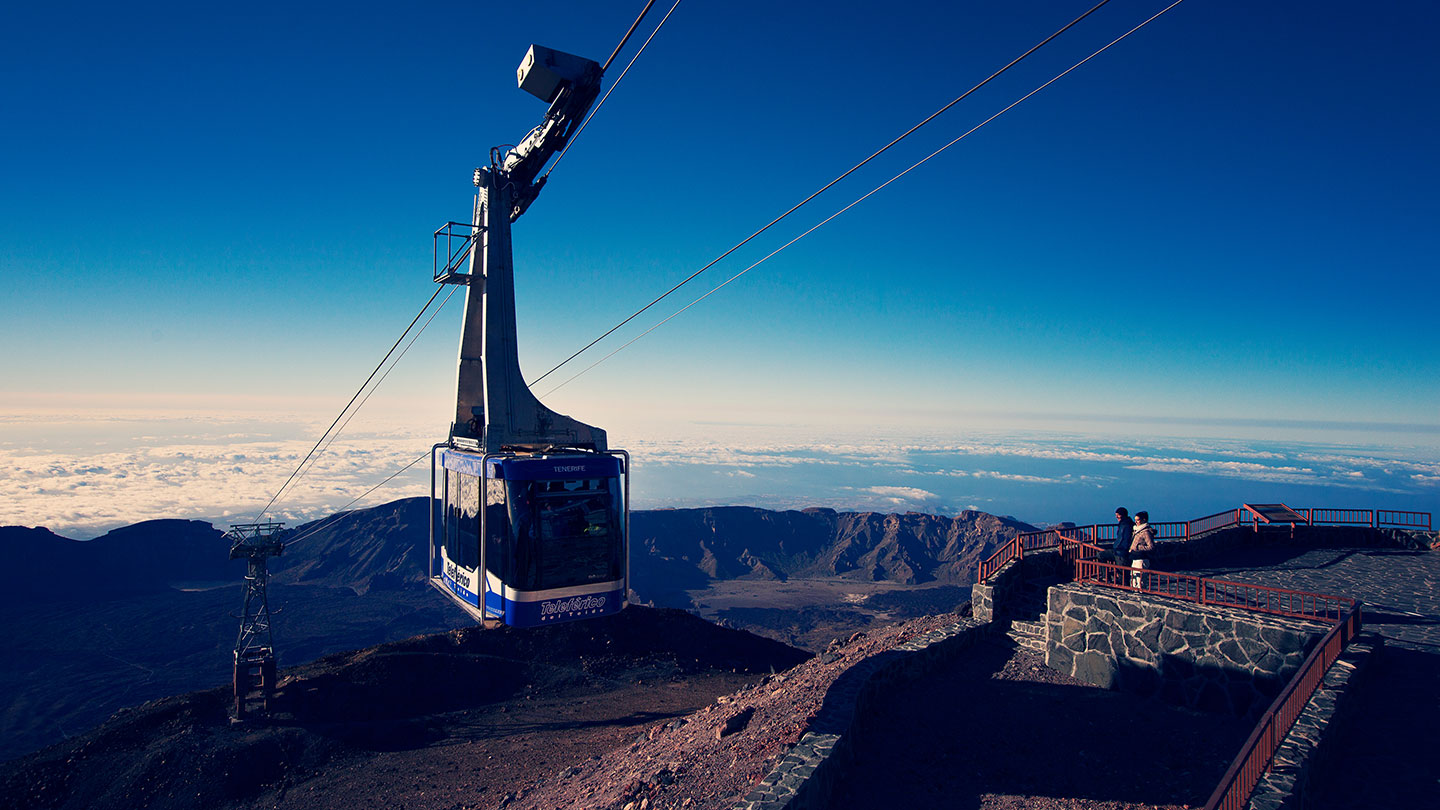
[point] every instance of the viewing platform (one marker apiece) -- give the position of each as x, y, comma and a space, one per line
1220, 672
1205, 625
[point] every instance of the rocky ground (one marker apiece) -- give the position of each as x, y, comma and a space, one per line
713, 757
651, 709
455, 720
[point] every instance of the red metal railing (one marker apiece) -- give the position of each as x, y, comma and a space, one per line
1013, 549
1233, 792
1174, 530
1341, 517
1096, 534
1403, 520
1216, 592
1073, 552
1051, 538
1212, 523
1374, 518
1035, 541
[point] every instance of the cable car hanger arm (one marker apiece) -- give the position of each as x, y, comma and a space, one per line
569, 84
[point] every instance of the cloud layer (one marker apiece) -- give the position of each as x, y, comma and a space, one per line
83, 476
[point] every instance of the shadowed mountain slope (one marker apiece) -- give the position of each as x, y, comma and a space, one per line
99, 625
141, 558
345, 712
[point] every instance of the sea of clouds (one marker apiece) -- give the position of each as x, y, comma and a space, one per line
1040, 477
81, 474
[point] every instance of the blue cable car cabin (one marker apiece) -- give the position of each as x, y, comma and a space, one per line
532, 526
555, 531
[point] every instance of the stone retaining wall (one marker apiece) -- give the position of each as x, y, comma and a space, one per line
1310, 745
1204, 657
804, 778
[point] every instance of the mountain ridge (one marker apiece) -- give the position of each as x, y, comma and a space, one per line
100, 624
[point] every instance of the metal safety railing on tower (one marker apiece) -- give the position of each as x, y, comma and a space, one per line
459, 240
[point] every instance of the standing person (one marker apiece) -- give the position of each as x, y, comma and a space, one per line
1124, 530
1142, 543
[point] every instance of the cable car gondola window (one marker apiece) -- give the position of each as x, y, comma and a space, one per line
462, 520
452, 516
470, 520
566, 533
495, 523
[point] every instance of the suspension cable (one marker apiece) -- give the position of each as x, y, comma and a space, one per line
718, 287
861, 199
339, 513
381, 381
822, 189
378, 366
617, 81
626, 38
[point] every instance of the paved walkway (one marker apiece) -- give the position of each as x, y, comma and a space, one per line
1400, 588
1388, 757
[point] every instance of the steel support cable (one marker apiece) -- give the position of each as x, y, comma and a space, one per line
822, 189
617, 81
626, 38
348, 404
869, 194
376, 387
381, 381
341, 511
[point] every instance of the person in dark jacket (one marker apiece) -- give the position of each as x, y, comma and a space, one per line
1124, 530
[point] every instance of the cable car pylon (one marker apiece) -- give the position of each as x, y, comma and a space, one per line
254, 677
533, 526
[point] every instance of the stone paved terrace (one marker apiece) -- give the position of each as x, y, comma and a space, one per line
963, 738
1389, 753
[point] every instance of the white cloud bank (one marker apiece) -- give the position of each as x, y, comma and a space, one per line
227, 477
81, 476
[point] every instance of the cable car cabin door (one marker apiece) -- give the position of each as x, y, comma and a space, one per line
555, 530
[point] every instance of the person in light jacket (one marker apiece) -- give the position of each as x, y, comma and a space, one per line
1142, 544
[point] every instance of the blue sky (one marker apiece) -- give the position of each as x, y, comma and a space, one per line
1226, 220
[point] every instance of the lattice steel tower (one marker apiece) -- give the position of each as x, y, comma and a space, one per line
255, 646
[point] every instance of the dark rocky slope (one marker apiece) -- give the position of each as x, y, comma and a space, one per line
101, 624
345, 712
